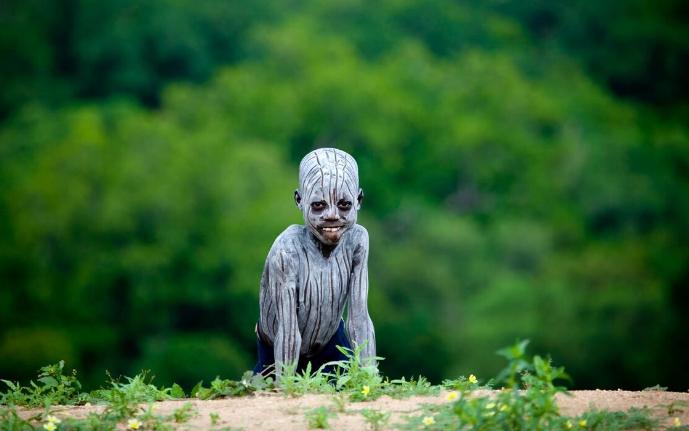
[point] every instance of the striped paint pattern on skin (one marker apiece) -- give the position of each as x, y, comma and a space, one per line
312, 274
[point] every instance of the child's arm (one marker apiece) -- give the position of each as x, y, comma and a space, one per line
359, 324
283, 279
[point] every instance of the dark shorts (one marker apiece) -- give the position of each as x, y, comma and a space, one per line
329, 353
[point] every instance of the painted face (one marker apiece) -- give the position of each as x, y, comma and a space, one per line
329, 194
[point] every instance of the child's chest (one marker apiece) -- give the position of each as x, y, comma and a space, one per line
323, 281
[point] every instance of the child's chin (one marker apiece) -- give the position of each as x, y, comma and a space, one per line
331, 238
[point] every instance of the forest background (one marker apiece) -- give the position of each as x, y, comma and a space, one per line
525, 164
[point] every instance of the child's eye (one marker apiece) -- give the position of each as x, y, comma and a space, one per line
344, 205
318, 206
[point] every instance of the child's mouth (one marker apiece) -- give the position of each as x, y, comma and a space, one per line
331, 228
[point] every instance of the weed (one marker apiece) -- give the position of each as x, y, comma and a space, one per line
358, 377
318, 417
340, 403
137, 389
295, 383
184, 413
632, 419
10, 420
402, 388
375, 418
461, 383
176, 391
219, 388
122, 399
53, 387
526, 403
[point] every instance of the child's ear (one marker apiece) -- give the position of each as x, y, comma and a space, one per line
359, 199
297, 198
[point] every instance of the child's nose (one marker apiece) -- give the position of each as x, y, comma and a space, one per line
331, 213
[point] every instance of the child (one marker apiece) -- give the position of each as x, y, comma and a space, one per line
313, 270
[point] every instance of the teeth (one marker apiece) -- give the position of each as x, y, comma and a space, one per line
331, 229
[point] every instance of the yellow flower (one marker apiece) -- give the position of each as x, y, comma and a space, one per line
568, 424
49, 426
428, 420
52, 419
582, 423
452, 396
472, 379
676, 422
134, 424
365, 390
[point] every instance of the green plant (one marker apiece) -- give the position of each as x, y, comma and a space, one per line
358, 377
11, 421
318, 417
176, 391
122, 399
527, 402
461, 383
295, 383
402, 388
375, 419
139, 388
150, 421
632, 419
184, 413
53, 387
340, 402
219, 388
517, 364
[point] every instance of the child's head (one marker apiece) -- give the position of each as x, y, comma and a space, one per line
329, 193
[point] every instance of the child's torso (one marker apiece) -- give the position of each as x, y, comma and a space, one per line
321, 291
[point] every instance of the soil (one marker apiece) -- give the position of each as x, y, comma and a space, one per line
273, 411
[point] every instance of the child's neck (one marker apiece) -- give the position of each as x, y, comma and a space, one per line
324, 249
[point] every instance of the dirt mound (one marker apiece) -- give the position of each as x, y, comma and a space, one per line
273, 411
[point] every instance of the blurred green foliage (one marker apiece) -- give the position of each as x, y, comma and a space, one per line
525, 167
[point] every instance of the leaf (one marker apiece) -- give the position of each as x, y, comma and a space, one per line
516, 351
10, 384
204, 393
343, 380
196, 388
48, 382
176, 391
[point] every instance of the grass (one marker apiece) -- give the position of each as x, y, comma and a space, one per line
526, 400
375, 419
318, 417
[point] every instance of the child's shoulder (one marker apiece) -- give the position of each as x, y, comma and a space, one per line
359, 234
288, 238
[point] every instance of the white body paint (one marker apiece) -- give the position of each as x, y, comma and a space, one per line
313, 271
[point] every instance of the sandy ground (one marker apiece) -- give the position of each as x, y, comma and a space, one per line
273, 411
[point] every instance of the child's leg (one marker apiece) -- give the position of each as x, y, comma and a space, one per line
330, 352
